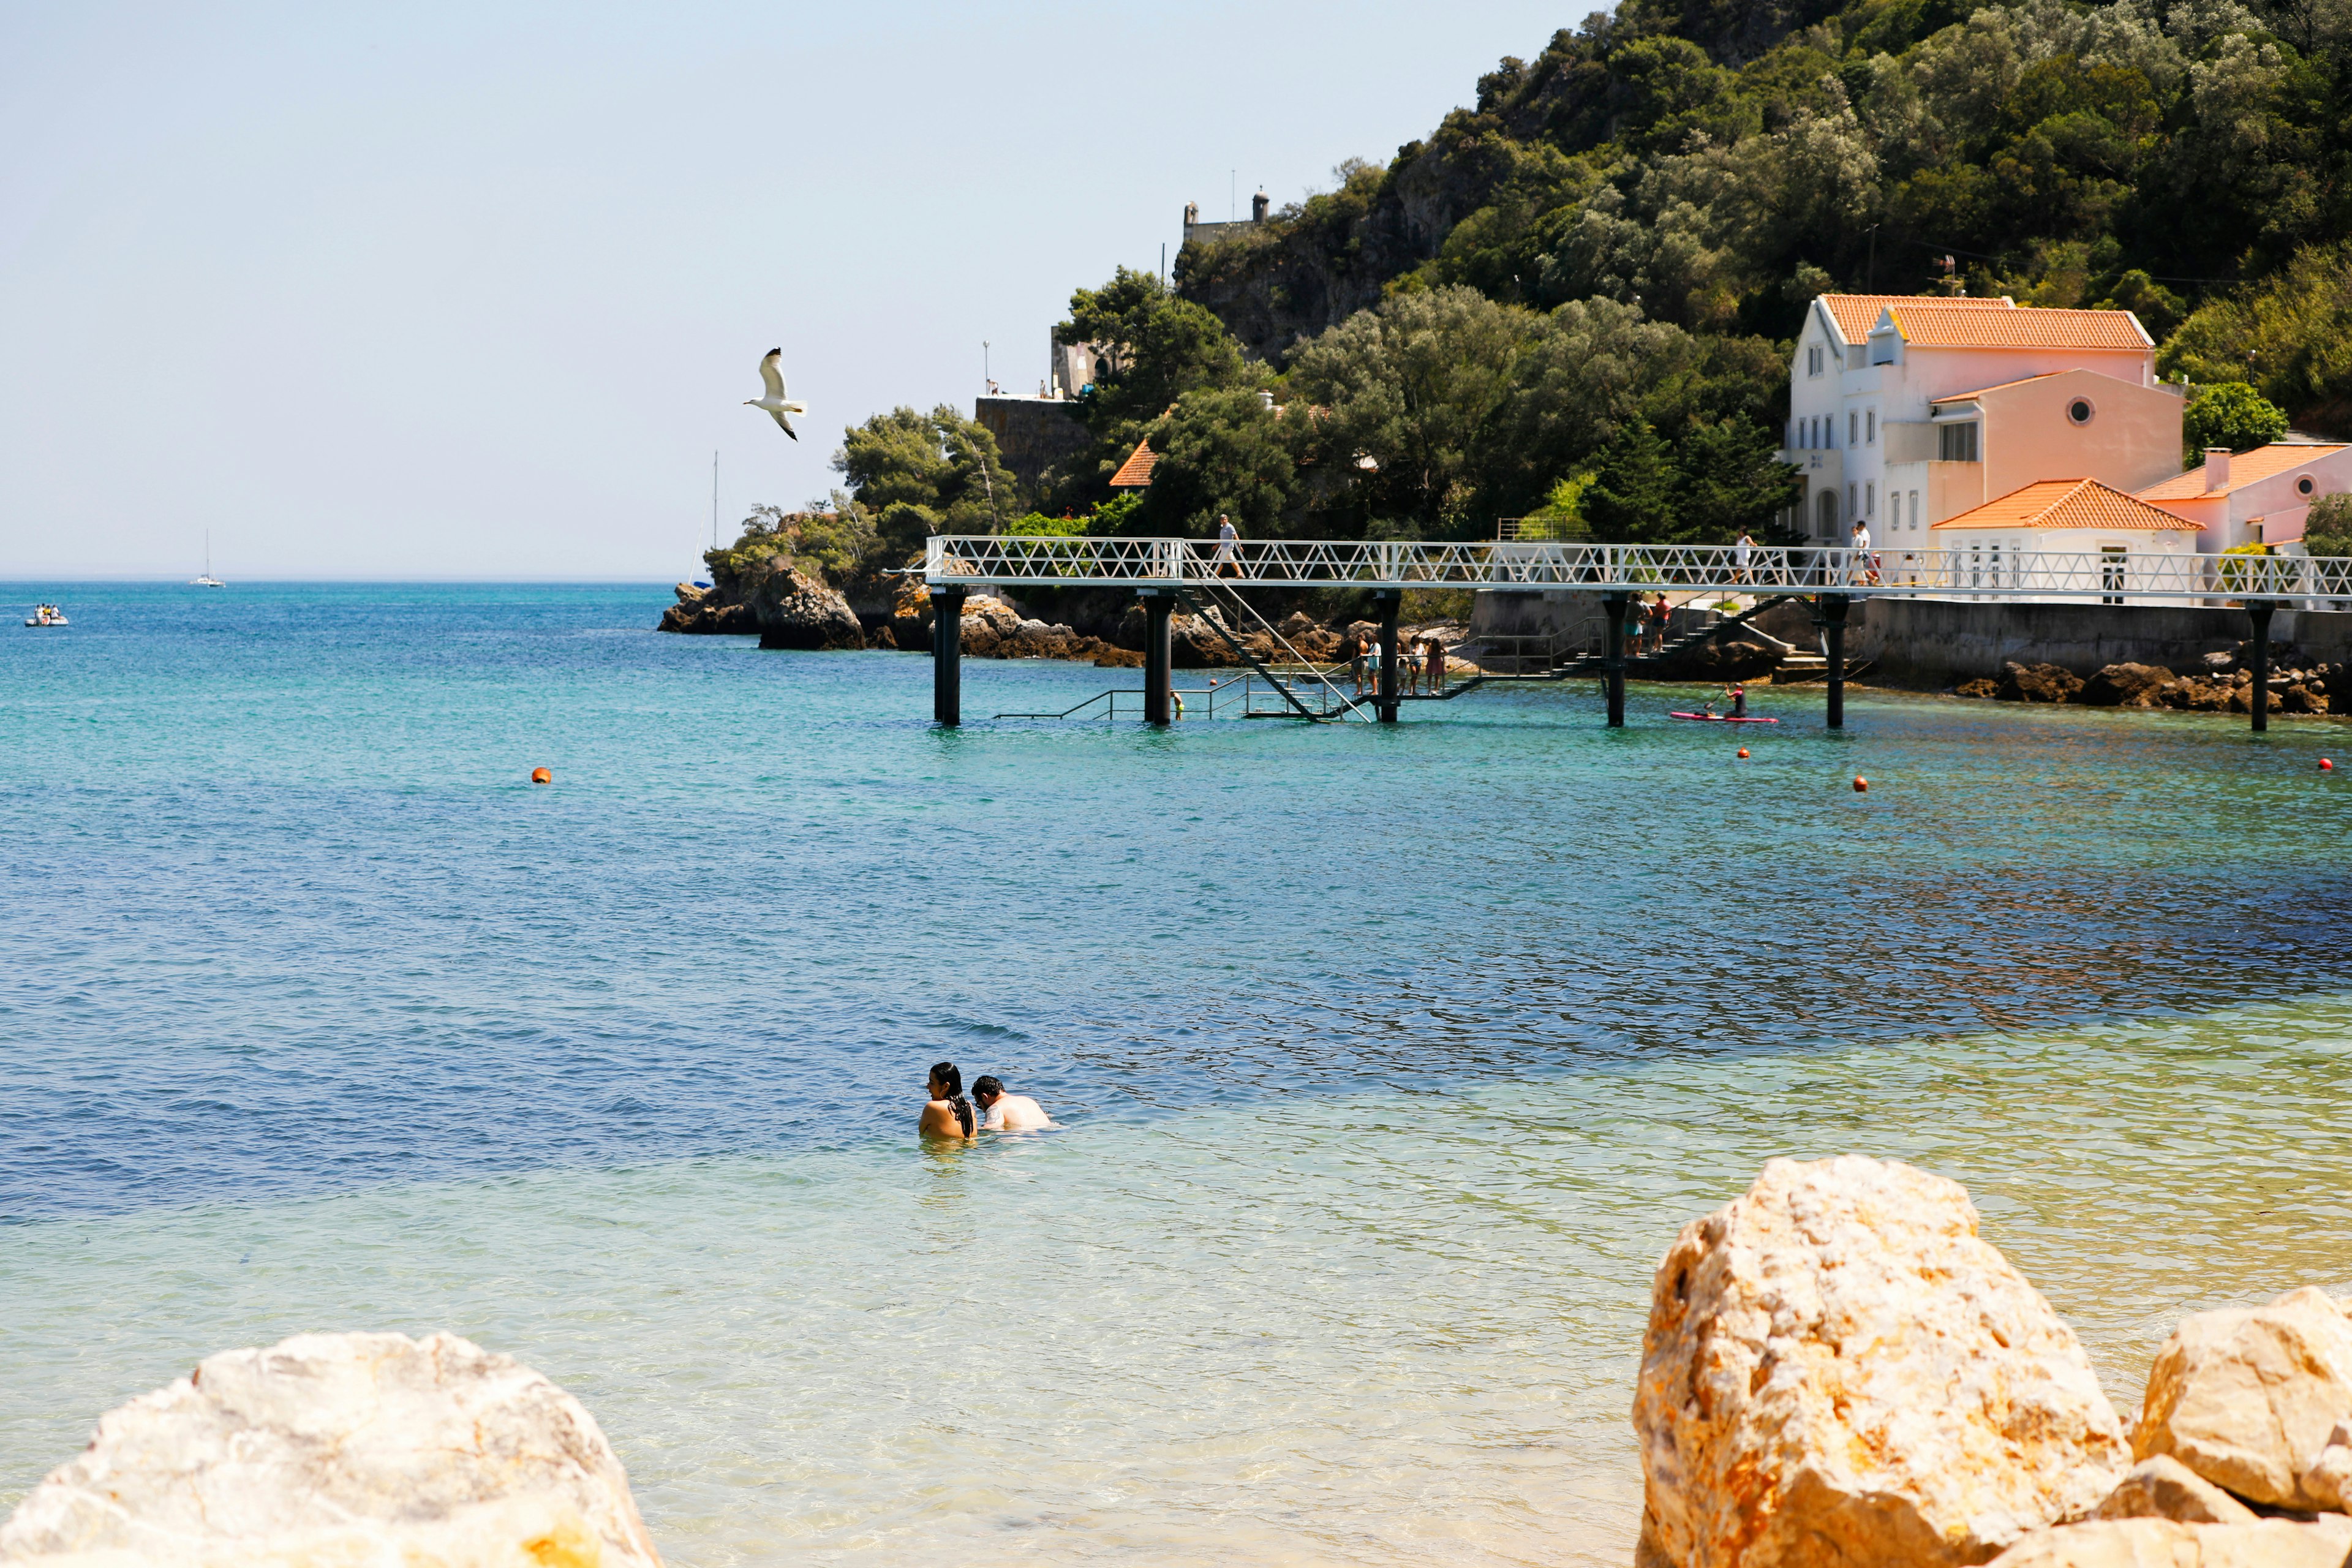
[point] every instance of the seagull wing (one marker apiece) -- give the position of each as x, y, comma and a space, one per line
772, 374
780, 420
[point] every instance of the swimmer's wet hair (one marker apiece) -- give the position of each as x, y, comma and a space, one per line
989, 1084
949, 1076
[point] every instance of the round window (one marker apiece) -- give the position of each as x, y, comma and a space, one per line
2080, 411
2303, 487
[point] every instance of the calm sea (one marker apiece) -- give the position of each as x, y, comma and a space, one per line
1390, 1058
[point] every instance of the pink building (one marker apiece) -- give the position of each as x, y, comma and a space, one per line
1905, 411
2254, 498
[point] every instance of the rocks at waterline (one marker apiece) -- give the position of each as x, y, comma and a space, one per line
353, 1449
2257, 1400
1840, 1371
787, 607
2221, 684
1838, 1368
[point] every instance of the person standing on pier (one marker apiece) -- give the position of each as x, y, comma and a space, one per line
1740, 553
1227, 560
1437, 666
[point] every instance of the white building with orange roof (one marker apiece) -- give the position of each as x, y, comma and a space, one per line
2259, 497
1906, 410
2108, 528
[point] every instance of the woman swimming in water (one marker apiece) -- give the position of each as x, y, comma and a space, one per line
948, 1114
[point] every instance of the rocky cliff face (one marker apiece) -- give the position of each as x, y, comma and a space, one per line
787, 607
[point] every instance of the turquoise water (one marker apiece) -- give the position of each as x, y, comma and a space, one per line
1390, 1058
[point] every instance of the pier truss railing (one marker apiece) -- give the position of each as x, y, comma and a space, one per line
968, 561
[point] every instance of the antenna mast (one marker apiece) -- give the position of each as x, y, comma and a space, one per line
714, 500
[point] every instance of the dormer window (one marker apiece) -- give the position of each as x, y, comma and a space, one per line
1881, 348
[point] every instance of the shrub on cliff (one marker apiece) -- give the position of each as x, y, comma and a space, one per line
919, 474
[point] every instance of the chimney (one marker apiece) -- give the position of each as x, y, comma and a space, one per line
2217, 468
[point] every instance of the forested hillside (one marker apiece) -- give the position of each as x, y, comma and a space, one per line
1573, 300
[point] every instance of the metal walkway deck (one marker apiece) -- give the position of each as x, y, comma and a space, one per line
1161, 571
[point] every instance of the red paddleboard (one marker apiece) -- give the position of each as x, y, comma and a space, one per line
1722, 718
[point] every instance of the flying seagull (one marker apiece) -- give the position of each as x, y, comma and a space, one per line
776, 402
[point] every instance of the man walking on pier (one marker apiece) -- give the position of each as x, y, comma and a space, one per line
1228, 559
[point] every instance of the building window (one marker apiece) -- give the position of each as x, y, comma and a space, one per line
2080, 411
1829, 514
1914, 511
1957, 443
1870, 499
1870, 426
1853, 498
1852, 427
2111, 558
2303, 486
1813, 359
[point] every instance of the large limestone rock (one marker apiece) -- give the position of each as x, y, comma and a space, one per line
2256, 1399
708, 611
1839, 1370
349, 1450
799, 609
2164, 1544
2161, 1487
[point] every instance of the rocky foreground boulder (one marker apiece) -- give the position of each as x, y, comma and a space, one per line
1838, 1369
351, 1450
2258, 1400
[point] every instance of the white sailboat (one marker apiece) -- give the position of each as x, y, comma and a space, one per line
208, 580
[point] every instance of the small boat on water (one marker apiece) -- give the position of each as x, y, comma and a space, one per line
208, 580
46, 616
1724, 719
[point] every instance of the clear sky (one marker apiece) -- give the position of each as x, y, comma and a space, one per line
475, 290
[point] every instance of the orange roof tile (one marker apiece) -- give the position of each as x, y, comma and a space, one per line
1857, 313
1993, 328
1946, 322
1136, 472
2245, 469
2071, 503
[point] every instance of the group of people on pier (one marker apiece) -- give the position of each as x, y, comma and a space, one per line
1420, 658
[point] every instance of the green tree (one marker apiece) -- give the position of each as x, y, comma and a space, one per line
1221, 452
1410, 398
2328, 527
1729, 480
2230, 414
2291, 333
1630, 500
919, 474
1155, 348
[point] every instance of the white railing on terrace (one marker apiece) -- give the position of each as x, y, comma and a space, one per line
977, 560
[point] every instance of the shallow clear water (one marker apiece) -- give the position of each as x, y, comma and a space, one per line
1391, 1059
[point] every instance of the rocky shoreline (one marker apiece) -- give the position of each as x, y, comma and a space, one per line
1837, 1369
788, 607
2298, 685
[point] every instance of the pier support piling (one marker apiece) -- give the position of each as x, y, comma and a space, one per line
947, 656
1157, 655
2259, 612
1613, 659
1384, 695
1829, 613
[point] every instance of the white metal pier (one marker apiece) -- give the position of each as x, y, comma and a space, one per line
1161, 570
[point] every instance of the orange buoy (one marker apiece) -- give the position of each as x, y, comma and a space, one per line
1861, 784
1743, 750
540, 775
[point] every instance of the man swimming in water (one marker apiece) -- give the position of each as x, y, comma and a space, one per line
1003, 1112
